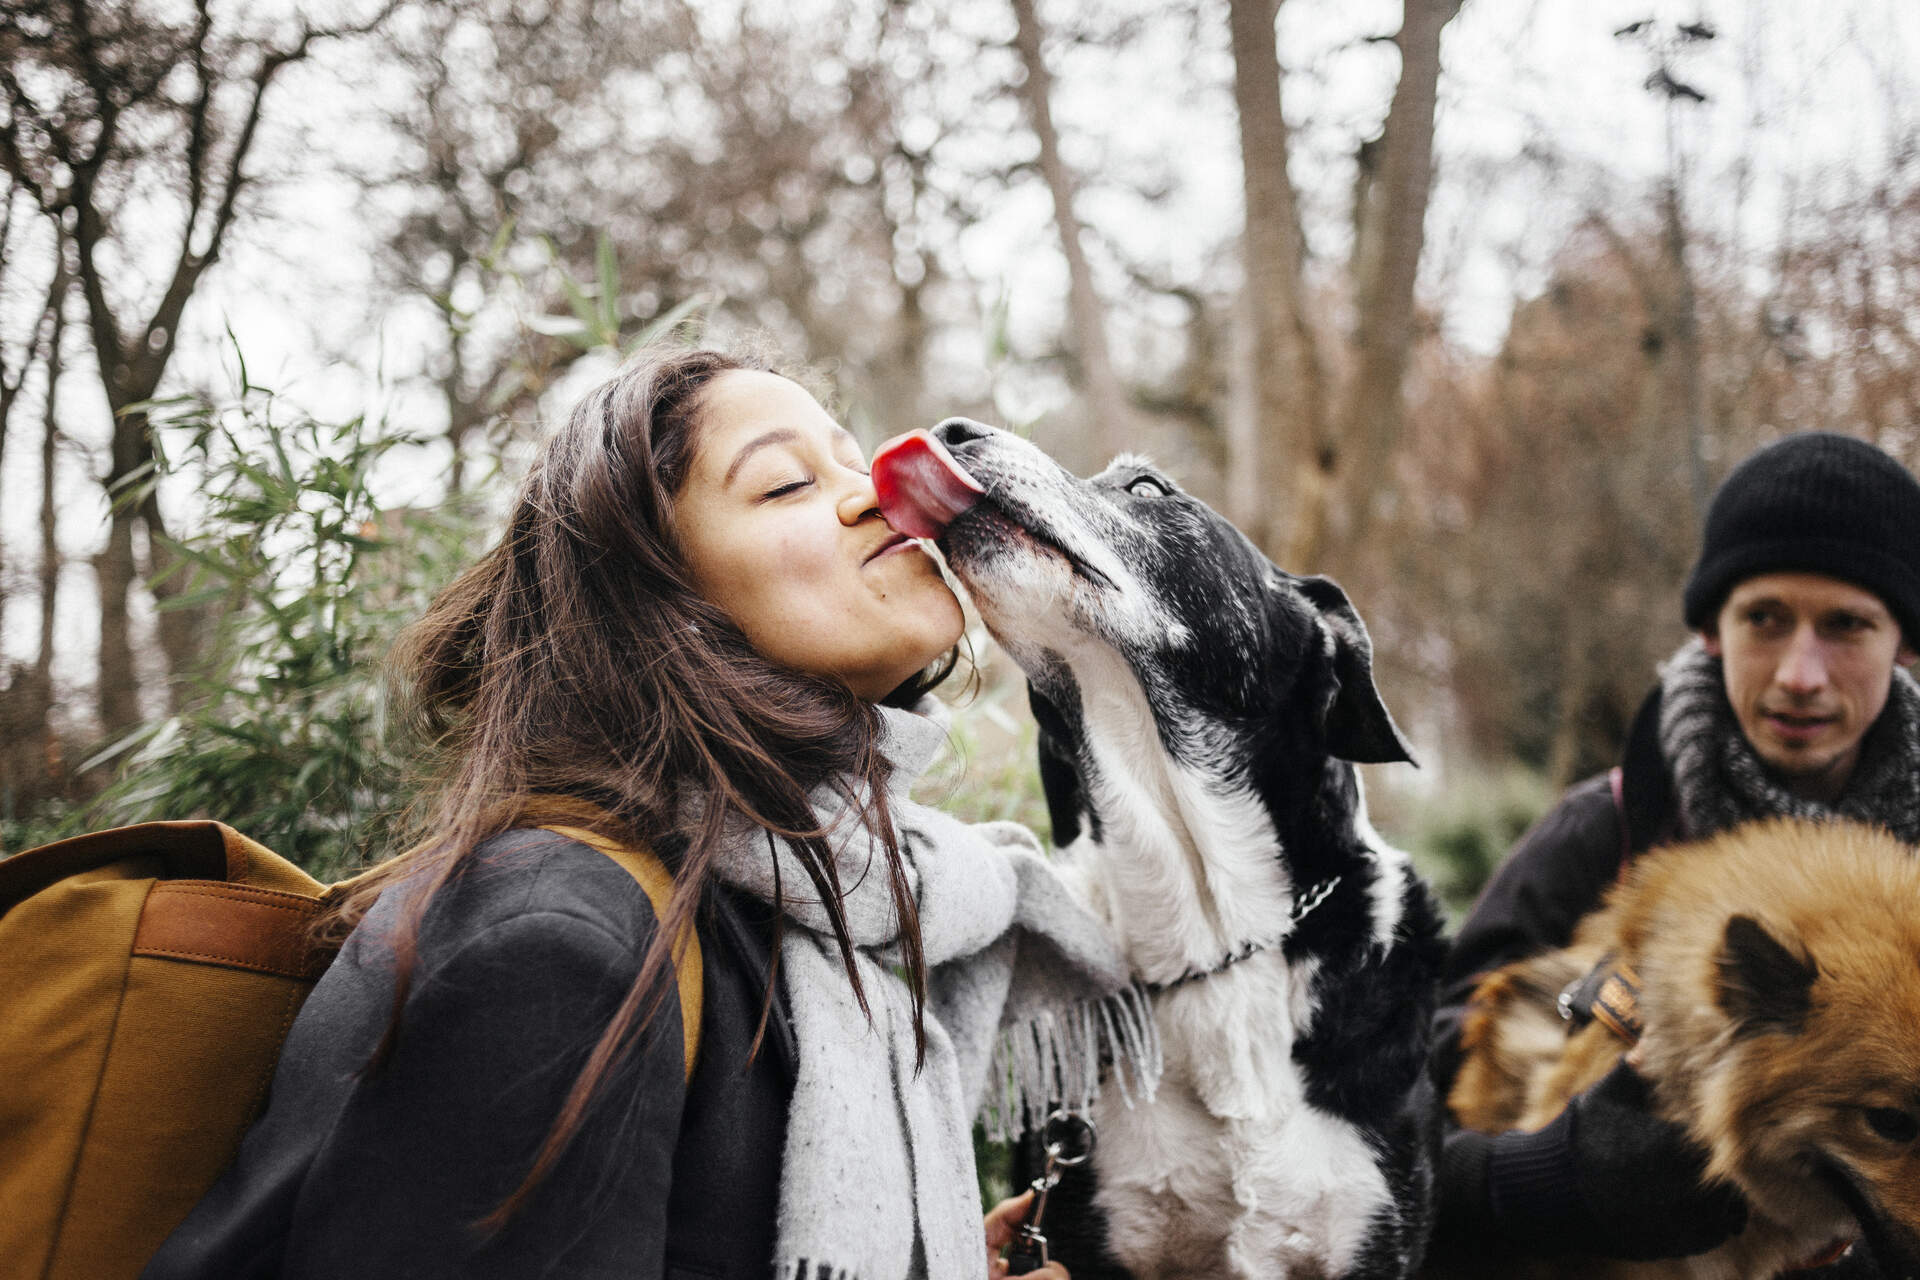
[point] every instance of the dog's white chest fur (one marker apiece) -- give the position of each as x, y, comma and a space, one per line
1229, 1172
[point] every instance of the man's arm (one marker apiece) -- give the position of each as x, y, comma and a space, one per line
1607, 1177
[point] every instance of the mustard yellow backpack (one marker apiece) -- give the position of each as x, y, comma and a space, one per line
148, 976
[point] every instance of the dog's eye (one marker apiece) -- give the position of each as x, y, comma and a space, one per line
1894, 1126
1146, 487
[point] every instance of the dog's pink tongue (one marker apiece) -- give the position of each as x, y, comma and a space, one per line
922, 489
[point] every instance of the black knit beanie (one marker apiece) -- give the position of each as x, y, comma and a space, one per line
1816, 503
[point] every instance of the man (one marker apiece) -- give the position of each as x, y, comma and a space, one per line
1789, 700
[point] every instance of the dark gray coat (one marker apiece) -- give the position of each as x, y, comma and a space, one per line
523, 960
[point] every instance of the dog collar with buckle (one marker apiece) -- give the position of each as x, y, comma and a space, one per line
1301, 908
1610, 995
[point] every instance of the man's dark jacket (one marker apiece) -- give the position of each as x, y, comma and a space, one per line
1556, 874
523, 959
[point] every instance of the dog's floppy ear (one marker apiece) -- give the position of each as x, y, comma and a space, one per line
1357, 724
1759, 982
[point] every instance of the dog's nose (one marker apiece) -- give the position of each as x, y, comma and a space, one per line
957, 431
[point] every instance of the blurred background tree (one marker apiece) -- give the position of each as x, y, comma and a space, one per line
281, 731
1466, 304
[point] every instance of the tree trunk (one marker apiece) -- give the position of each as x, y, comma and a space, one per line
11, 381
27, 701
466, 411
1287, 374
51, 319
1685, 395
180, 631
129, 380
1576, 683
40, 725
1240, 481
117, 693
1385, 270
1665, 431
1087, 340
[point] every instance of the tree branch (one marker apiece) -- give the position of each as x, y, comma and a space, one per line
197, 141
1088, 337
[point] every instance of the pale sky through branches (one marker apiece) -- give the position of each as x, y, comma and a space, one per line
1543, 115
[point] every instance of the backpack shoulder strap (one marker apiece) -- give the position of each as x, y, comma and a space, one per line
657, 883
1617, 786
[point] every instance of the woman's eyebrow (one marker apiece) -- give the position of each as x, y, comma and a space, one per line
779, 435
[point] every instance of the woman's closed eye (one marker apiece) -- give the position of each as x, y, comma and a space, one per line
786, 487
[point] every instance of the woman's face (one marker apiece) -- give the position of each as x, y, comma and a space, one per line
782, 531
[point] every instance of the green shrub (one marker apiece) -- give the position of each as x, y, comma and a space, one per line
309, 578
1458, 839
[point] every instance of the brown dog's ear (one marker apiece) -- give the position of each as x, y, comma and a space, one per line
1357, 724
1759, 982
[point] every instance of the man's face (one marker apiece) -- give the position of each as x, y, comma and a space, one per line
1808, 662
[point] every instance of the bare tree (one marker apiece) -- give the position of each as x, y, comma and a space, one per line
39, 737
13, 372
29, 754
1675, 341
110, 106
1087, 328
793, 186
16, 240
1385, 269
494, 92
1289, 377
1338, 419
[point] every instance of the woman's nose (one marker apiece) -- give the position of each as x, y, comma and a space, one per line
858, 500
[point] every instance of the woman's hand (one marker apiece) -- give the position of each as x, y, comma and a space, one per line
1002, 1221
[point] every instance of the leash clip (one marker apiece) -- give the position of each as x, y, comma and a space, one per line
1609, 993
1069, 1139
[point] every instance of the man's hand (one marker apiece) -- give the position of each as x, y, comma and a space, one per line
1002, 1221
1612, 1179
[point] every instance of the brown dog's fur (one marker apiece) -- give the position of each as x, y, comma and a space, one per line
1770, 1044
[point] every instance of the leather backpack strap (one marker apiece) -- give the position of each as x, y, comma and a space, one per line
199, 850
657, 883
1617, 786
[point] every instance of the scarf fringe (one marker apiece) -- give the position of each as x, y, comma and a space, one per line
1055, 1061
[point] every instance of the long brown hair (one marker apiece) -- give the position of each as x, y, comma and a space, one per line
577, 659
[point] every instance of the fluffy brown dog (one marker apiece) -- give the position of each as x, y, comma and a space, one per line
1779, 1002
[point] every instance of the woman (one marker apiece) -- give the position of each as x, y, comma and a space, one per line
697, 634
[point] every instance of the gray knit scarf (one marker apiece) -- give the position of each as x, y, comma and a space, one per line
1026, 995
1721, 782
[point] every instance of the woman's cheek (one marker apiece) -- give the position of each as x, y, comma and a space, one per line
801, 562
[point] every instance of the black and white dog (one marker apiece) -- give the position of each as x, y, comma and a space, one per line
1198, 708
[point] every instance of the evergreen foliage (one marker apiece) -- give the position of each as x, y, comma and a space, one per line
282, 733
